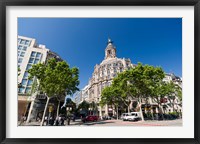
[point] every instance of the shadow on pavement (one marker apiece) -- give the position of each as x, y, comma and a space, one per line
101, 122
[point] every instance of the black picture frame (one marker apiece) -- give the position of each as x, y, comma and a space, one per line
5, 3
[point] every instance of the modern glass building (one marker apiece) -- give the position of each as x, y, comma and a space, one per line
29, 53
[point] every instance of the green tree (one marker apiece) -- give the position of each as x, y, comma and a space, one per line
154, 84
138, 82
55, 79
93, 106
160, 91
174, 91
71, 104
179, 93
121, 84
84, 105
111, 96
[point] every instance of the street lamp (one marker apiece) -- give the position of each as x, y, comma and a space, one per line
68, 109
50, 111
90, 110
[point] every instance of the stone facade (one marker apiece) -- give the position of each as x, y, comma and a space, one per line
108, 69
103, 75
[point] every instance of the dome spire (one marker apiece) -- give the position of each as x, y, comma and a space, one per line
110, 51
109, 41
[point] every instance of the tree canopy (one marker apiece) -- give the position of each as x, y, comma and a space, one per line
84, 105
70, 103
56, 78
110, 95
142, 81
139, 81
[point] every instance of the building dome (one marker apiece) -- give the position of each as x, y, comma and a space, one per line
105, 71
110, 51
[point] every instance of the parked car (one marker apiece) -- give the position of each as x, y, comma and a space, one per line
106, 118
90, 118
134, 116
122, 115
126, 116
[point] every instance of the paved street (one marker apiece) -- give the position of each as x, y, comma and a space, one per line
139, 123
177, 122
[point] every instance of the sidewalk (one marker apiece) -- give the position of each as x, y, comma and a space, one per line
29, 124
76, 122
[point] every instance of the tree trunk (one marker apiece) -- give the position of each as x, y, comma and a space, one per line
117, 112
30, 110
152, 113
161, 107
31, 107
128, 109
114, 109
140, 106
100, 113
58, 107
41, 124
173, 104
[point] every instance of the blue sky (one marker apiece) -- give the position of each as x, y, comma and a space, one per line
82, 41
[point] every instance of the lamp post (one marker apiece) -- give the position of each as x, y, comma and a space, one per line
49, 118
90, 110
68, 109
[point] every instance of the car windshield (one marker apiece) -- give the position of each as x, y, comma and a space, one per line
134, 114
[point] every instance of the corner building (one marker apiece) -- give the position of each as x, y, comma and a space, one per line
30, 53
103, 75
105, 72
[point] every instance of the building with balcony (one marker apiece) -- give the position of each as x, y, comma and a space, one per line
103, 75
105, 72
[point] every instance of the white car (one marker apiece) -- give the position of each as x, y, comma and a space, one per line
133, 116
125, 116
122, 116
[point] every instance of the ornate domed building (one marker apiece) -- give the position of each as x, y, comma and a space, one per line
103, 75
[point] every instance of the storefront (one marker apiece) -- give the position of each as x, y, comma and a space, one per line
38, 106
23, 106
